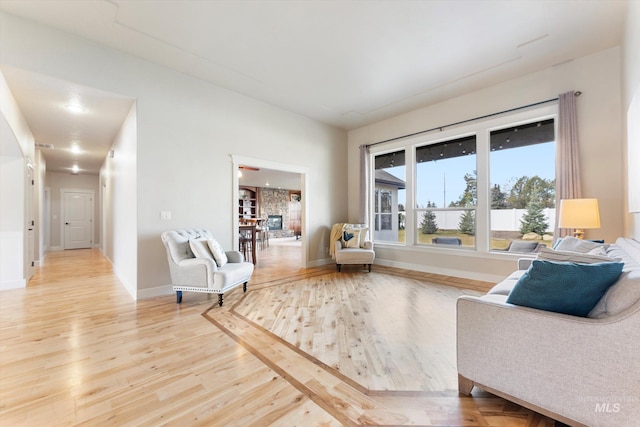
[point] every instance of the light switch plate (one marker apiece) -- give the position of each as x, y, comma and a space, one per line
165, 214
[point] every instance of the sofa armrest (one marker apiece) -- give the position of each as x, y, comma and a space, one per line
234, 256
368, 244
524, 263
338, 245
554, 361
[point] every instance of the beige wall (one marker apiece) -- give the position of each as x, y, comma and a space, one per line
631, 93
56, 181
599, 117
187, 130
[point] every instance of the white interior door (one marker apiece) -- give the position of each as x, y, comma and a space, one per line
78, 220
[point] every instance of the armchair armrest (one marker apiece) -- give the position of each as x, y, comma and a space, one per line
192, 262
338, 245
368, 244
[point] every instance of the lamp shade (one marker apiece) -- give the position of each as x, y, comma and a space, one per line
579, 213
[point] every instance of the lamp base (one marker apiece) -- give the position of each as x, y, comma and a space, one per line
579, 233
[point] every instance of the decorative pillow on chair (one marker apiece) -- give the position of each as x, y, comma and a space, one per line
218, 253
351, 238
363, 236
199, 248
564, 287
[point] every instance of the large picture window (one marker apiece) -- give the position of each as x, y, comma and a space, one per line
483, 186
522, 185
446, 195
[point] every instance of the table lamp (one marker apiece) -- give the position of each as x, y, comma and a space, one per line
579, 214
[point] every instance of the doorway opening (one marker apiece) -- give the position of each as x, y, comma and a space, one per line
272, 196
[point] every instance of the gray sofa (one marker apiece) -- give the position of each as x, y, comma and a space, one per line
578, 370
203, 271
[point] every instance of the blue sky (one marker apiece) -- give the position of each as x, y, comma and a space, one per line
506, 165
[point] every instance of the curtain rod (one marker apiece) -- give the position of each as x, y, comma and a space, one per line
440, 128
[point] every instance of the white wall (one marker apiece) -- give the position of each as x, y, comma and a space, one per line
40, 173
599, 118
631, 95
187, 130
16, 147
118, 199
59, 180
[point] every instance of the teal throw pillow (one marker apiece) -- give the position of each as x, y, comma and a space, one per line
564, 287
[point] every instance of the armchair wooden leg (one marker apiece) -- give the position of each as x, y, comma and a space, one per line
339, 267
220, 300
369, 268
244, 287
465, 385
178, 297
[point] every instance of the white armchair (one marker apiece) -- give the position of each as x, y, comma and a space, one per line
351, 245
195, 267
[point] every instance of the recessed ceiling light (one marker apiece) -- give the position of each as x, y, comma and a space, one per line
75, 108
75, 149
75, 169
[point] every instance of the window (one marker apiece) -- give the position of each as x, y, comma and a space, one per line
446, 194
522, 183
479, 186
389, 197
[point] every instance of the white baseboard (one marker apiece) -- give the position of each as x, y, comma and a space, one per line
320, 262
492, 278
155, 292
54, 248
13, 284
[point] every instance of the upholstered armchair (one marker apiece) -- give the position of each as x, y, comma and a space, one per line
197, 263
351, 245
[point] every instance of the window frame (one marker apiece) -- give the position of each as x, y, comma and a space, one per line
482, 129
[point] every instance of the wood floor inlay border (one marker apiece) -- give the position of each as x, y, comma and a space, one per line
361, 345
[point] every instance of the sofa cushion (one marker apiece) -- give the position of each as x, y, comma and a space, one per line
563, 256
505, 287
626, 291
562, 287
218, 253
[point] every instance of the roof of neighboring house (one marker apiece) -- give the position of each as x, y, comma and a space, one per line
384, 177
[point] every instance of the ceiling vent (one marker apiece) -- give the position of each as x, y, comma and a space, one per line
41, 145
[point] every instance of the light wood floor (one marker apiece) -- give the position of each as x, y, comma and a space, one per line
75, 349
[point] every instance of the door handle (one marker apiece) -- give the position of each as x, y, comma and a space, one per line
66, 223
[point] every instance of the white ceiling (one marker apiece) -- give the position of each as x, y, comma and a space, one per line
345, 63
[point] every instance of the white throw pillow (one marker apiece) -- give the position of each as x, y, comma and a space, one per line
564, 256
218, 253
199, 248
572, 244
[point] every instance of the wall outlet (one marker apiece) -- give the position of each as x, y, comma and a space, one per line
165, 214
